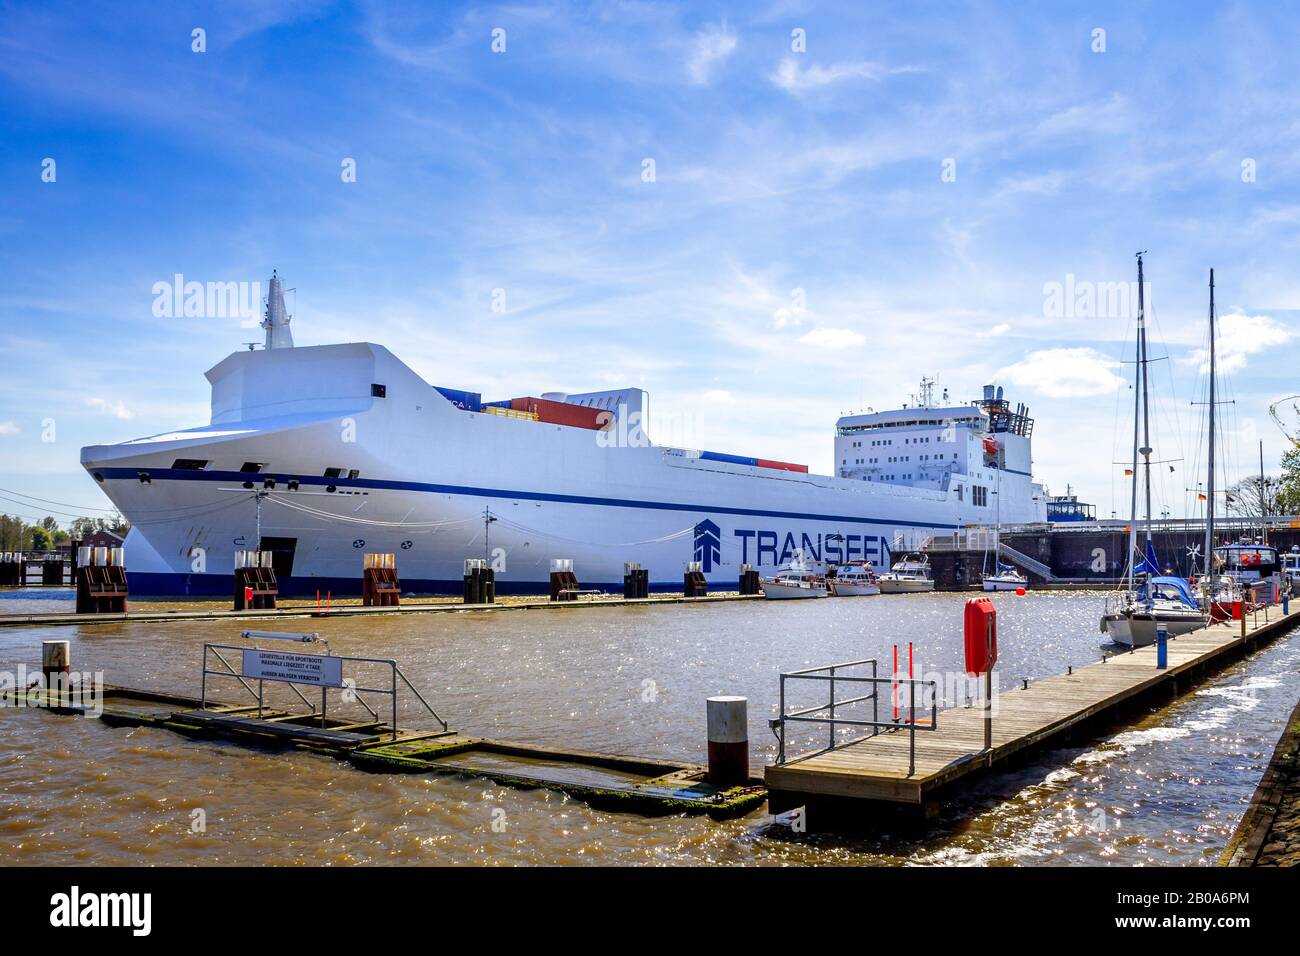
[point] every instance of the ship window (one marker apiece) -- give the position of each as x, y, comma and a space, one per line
333, 472
190, 464
353, 473
379, 391
252, 467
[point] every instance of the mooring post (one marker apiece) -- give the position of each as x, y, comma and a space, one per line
1162, 646
728, 732
56, 663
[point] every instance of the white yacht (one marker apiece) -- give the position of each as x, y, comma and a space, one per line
857, 580
794, 583
1006, 579
908, 576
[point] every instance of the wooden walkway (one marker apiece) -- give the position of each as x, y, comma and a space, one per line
876, 769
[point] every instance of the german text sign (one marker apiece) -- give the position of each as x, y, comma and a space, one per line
316, 669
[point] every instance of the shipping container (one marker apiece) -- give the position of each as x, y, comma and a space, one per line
470, 401
505, 411
505, 404
782, 465
730, 459
562, 413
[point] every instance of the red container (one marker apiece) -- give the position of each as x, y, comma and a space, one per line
981, 636
562, 413
782, 465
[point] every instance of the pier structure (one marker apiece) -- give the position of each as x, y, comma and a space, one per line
931, 753
366, 725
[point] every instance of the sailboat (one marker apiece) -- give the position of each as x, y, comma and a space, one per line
1148, 598
1004, 576
1218, 590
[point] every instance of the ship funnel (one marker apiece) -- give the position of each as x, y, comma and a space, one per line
276, 322
988, 393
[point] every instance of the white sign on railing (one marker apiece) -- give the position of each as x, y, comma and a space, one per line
316, 669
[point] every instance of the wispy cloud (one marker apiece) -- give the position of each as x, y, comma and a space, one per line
9, 428
712, 46
793, 77
827, 338
110, 407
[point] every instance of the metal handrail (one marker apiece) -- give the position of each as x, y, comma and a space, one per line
828, 673
391, 691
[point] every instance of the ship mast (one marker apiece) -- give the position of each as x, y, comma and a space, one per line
1139, 384
1146, 408
276, 322
1209, 478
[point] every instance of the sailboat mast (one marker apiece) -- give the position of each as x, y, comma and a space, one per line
1209, 477
1146, 404
1137, 408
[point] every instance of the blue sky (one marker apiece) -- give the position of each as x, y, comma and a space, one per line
799, 253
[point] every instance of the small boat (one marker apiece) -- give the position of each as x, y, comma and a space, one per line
1007, 579
1291, 570
909, 575
1131, 619
1251, 565
793, 583
855, 580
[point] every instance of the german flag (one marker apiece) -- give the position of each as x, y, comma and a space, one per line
1128, 472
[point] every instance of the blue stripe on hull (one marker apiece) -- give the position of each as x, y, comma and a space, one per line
155, 584
170, 474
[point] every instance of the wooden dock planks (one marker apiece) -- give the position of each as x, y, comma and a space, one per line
877, 768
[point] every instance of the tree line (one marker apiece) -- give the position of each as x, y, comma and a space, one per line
17, 534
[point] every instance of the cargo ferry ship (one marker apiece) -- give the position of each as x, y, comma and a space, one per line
321, 454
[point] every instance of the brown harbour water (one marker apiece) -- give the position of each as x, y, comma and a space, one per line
1168, 789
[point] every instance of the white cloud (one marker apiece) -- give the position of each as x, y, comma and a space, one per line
114, 408
1065, 373
712, 46
9, 428
1102, 116
1002, 328
1241, 335
793, 78
833, 338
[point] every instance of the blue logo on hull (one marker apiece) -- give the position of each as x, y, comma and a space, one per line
708, 544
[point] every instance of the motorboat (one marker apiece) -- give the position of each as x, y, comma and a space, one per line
856, 580
793, 583
909, 575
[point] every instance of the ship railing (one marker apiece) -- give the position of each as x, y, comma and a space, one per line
831, 712
216, 665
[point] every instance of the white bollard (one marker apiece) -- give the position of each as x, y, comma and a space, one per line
728, 729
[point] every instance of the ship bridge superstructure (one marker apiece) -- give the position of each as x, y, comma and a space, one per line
956, 448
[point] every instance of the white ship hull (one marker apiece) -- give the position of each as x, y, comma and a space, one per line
843, 589
1004, 583
428, 474
1139, 630
786, 592
905, 585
